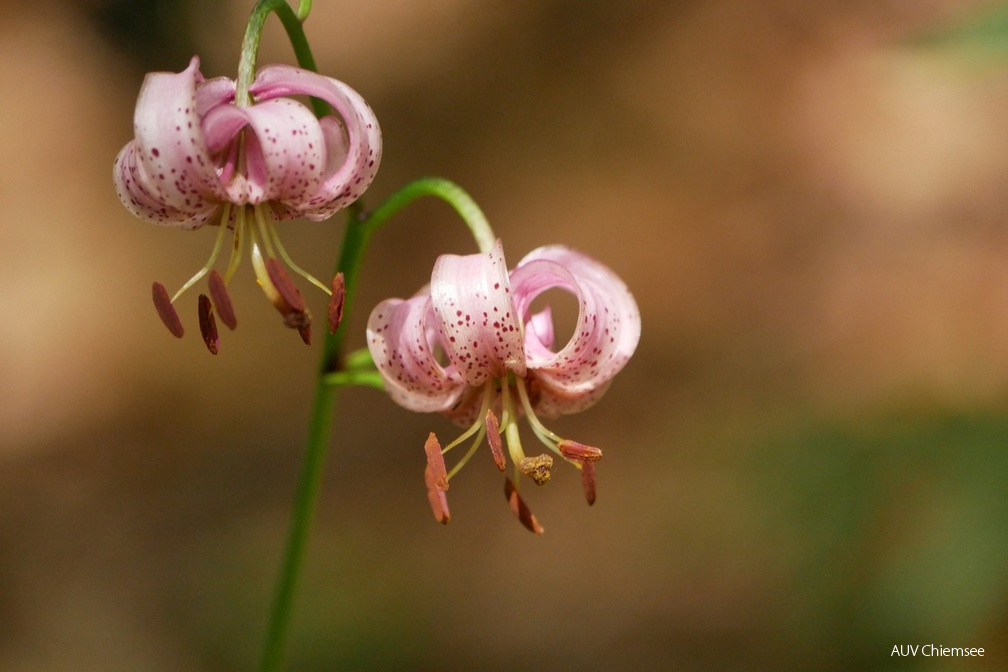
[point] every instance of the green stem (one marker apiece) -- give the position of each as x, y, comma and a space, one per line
295, 33
447, 191
332, 376
309, 485
304, 9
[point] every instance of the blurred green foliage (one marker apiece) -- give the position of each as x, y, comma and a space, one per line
984, 32
891, 531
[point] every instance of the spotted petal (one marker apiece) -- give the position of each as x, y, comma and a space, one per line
400, 343
606, 335
284, 151
352, 139
165, 175
476, 318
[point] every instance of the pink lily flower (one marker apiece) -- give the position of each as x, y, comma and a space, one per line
469, 346
201, 157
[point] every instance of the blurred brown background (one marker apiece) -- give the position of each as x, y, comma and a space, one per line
805, 460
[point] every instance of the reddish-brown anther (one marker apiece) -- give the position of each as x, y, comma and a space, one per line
219, 294
336, 302
285, 286
493, 438
208, 325
588, 481
436, 497
580, 452
301, 321
166, 311
435, 462
520, 509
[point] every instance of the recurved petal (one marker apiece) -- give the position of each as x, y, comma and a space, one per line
352, 137
130, 181
606, 335
539, 335
285, 154
476, 317
165, 174
400, 345
213, 92
554, 401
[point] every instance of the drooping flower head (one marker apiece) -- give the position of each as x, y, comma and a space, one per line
500, 359
201, 156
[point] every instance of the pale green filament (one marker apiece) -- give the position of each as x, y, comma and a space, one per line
465, 435
264, 232
487, 395
236, 246
283, 255
472, 449
213, 257
545, 435
479, 427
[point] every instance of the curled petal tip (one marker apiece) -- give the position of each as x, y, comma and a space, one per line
166, 311
520, 509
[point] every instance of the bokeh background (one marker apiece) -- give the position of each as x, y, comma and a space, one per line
805, 462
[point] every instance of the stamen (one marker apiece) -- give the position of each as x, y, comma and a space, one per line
436, 497
218, 290
267, 240
270, 231
166, 311
469, 453
301, 322
207, 324
477, 428
435, 462
336, 302
588, 481
537, 468
493, 438
263, 279
549, 439
206, 267
574, 450
284, 285
520, 509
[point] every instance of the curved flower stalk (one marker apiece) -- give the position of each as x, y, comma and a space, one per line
201, 158
500, 360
